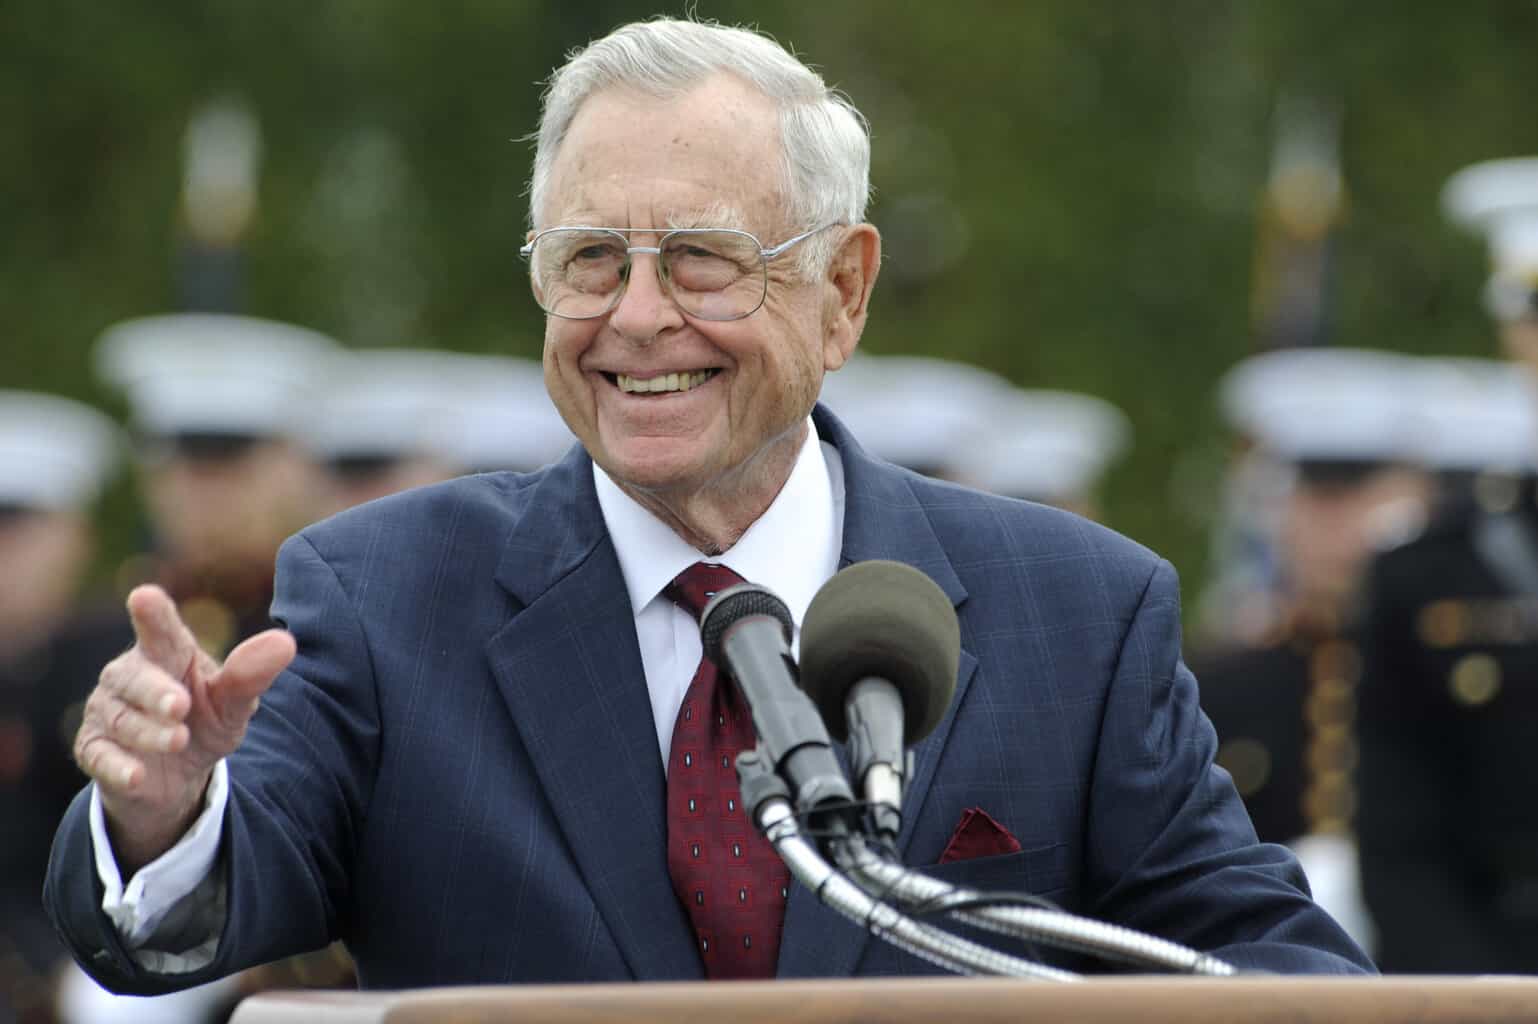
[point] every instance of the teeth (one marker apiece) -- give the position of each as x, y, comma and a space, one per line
663, 382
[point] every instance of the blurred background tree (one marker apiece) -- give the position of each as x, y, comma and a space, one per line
1068, 190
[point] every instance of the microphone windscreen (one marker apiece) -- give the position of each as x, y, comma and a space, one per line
731, 606
887, 620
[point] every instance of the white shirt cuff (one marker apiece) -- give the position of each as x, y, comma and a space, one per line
138, 909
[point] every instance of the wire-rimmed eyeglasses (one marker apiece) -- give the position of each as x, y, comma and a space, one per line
711, 273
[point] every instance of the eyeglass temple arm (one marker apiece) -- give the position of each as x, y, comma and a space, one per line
771, 253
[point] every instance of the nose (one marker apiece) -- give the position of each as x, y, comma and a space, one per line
645, 309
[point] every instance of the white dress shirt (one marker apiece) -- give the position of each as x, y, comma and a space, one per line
792, 549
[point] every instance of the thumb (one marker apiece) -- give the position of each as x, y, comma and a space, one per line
160, 633
252, 666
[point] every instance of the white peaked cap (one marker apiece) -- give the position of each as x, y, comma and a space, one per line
387, 401
1499, 199
214, 373
1325, 403
54, 453
1049, 445
1477, 414
1514, 242
916, 411
503, 419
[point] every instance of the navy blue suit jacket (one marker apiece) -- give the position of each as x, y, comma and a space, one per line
459, 774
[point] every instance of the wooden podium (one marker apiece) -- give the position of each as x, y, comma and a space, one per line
1144, 1000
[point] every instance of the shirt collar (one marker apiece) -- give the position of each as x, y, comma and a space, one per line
801, 519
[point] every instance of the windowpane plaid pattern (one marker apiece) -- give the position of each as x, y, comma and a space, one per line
728, 876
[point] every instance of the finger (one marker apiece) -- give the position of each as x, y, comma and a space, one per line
252, 666
137, 681
107, 763
162, 636
136, 732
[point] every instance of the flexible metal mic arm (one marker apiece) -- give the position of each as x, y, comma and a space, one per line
767, 797
888, 879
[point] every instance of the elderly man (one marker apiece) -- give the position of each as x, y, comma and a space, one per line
487, 747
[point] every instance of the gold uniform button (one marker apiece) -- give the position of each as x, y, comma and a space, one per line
1329, 798
1325, 711
1443, 623
1475, 680
1337, 662
1332, 752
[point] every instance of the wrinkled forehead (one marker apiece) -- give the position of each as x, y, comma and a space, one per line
710, 157
714, 214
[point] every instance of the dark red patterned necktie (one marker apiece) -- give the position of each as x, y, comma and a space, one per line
728, 876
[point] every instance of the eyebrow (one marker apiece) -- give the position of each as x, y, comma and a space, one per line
718, 214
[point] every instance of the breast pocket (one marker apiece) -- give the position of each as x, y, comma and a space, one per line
1041, 872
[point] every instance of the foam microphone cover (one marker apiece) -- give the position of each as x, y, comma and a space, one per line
888, 620
730, 607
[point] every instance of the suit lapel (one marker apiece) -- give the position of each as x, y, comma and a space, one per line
569, 667
882, 519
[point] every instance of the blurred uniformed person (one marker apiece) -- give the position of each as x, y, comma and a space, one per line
1051, 447
920, 412
55, 456
503, 419
1342, 425
217, 401
1449, 698
392, 419
372, 429
220, 406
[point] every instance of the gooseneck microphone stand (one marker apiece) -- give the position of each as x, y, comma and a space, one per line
886, 878
769, 797
878, 893
866, 884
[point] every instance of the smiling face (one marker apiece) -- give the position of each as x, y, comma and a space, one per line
667, 405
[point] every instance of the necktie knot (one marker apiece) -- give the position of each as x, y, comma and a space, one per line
693, 588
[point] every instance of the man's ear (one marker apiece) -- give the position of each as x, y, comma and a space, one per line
851, 277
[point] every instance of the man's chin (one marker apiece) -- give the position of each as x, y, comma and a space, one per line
655, 470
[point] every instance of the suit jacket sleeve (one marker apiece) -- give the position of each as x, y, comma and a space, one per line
299, 790
1170, 848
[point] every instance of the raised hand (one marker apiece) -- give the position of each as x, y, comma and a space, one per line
159, 720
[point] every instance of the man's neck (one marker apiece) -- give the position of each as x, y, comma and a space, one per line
712, 518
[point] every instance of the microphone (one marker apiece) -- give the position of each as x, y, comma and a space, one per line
746, 631
879, 652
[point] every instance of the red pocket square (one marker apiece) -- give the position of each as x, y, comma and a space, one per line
978, 835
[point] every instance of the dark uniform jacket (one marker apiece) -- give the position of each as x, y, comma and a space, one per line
1283, 713
1448, 724
41, 697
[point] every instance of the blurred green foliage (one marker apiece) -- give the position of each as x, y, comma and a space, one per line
1068, 189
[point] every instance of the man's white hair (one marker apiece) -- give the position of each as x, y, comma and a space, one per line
824, 140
